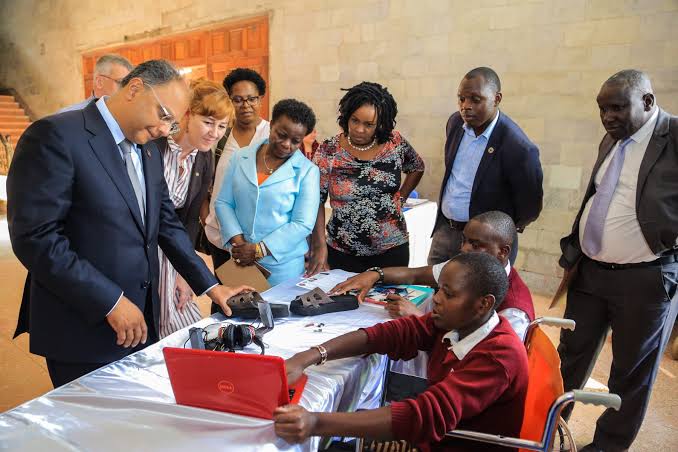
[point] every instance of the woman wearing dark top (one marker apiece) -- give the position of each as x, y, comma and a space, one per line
360, 171
188, 167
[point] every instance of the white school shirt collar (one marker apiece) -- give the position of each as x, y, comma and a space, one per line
461, 348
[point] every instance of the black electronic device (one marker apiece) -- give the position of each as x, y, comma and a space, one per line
317, 302
196, 335
246, 306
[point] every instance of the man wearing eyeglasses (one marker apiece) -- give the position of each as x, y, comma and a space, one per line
109, 71
88, 207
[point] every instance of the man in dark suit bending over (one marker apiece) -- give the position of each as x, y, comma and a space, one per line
490, 164
621, 257
87, 208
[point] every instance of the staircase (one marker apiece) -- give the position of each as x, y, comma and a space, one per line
13, 118
13, 122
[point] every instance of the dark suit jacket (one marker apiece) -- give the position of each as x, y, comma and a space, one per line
75, 225
508, 179
656, 194
198, 188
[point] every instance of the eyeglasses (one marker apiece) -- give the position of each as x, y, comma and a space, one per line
251, 100
166, 116
117, 81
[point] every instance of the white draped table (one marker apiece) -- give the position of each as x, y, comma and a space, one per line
128, 405
420, 221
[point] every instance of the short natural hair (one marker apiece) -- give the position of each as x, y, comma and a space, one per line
484, 275
501, 223
153, 72
487, 74
297, 111
633, 78
209, 98
104, 63
370, 93
243, 74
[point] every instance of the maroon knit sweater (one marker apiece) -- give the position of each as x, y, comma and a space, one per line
483, 392
518, 295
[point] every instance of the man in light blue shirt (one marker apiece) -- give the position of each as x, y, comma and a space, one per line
109, 71
490, 165
457, 196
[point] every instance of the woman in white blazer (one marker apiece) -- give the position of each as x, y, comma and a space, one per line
269, 199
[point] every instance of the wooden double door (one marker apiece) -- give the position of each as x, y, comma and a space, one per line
210, 52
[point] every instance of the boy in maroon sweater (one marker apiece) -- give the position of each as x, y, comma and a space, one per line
490, 232
477, 368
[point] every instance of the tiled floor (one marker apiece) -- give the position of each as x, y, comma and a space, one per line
23, 376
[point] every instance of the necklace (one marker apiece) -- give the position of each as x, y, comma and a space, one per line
362, 149
269, 170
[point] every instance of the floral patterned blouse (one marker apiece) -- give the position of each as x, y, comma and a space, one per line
367, 217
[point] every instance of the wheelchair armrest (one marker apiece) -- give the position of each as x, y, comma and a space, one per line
566, 324
598, 398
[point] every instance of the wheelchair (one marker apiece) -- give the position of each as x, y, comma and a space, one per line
543, 429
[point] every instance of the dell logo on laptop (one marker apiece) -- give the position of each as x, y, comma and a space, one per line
225, 386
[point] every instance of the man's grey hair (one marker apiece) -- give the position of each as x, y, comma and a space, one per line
104, 63
633, 78
153, 72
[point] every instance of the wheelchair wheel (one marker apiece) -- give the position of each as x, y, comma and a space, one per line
564, 442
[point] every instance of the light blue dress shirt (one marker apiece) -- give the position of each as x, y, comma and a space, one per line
281, 212
457, 196
119, 137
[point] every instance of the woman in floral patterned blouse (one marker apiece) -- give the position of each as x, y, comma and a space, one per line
360, 170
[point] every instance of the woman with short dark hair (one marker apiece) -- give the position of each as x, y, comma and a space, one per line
269, 199
360, 171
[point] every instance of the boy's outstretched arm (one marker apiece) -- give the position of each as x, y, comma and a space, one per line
344, 346
294, 424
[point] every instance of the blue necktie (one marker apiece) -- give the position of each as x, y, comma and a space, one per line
593, 232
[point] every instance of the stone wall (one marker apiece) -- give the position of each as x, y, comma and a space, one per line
552, 56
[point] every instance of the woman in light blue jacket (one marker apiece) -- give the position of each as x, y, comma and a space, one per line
269, 200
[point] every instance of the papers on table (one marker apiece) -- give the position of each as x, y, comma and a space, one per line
325, 280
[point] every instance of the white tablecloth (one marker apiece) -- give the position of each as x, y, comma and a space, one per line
129, 405
420, 222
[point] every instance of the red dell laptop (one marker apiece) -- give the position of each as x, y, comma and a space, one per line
238, 383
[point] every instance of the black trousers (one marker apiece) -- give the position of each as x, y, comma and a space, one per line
219, 258
639, 305
398, 256
62, 372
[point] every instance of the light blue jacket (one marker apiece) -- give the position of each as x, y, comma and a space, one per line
281, 212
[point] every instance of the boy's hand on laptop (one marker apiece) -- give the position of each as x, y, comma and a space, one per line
295, 368
398, 306
362, 283
293, 423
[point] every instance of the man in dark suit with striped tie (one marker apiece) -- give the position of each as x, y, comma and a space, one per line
87, 209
